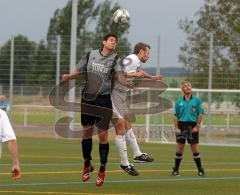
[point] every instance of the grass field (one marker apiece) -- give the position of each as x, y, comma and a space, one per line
53, 166
36, 117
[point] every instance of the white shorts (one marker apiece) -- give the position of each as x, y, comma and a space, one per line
119, 103
6, 130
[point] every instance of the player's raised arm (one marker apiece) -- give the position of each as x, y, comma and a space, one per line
122, 78
138, 74
144, 74
71, 76
148, 76
80, 67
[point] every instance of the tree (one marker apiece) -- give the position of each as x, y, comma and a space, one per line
220, 17
23, 54
93, 22
105, 25
34, 63
43, 69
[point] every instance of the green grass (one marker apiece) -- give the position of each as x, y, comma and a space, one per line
46, 116
36, 117
56, 160
233, 136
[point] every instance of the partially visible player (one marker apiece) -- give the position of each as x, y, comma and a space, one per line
7, 135
122, 124
3, 103
187, 121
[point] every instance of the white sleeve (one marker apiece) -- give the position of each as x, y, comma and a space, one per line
7, 130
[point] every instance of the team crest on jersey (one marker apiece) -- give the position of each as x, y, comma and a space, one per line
193, 109
99, 67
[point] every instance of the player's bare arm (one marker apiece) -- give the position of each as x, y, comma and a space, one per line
13, 149
122, 78
148, 76
138, 74
71, 76
143, 74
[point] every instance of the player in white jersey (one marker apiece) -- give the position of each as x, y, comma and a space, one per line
7, 135
123, 127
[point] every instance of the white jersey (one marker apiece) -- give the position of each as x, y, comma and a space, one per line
130, 64
6, 130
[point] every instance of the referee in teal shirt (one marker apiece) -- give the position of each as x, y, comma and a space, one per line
187, 120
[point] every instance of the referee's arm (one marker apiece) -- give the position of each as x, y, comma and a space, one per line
175, 119
200, 113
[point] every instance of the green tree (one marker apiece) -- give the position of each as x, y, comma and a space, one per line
34, 63
94, 20
220, 17
43, 69
23, 55
105, 25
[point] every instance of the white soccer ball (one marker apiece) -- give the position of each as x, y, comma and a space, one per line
121, 16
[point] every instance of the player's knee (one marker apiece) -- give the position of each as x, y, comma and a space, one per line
180, 148
120, 126
120, 132
103, 137
87, 132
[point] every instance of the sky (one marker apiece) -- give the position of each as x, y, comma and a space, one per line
149, 20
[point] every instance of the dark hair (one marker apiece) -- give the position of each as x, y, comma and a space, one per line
140, 46
106, 37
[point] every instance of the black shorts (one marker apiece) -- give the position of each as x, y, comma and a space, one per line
186, 133
97, 112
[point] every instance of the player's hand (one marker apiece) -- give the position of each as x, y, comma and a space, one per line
195, 129
16, 172
65, 77
177, 131
157, 78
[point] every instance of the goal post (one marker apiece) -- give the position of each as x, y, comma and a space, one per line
224, 126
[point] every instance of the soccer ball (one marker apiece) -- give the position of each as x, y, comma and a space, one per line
121, 16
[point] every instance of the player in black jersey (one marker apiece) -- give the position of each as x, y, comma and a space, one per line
99, 65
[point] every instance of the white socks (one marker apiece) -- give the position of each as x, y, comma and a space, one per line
130, 137
122, 149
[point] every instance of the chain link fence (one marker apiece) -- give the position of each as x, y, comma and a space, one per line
35, 74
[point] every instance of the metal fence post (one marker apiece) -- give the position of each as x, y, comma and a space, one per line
208, 133
11, 78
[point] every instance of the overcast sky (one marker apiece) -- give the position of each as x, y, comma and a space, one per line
149, 19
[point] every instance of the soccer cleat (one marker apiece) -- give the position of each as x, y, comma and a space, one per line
143, 158
86, 172
201, 172
100, 178
175, 172
130, 170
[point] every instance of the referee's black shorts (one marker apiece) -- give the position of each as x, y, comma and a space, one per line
97, 112
186, 133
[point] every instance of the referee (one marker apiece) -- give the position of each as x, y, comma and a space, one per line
187, 121
99, 66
